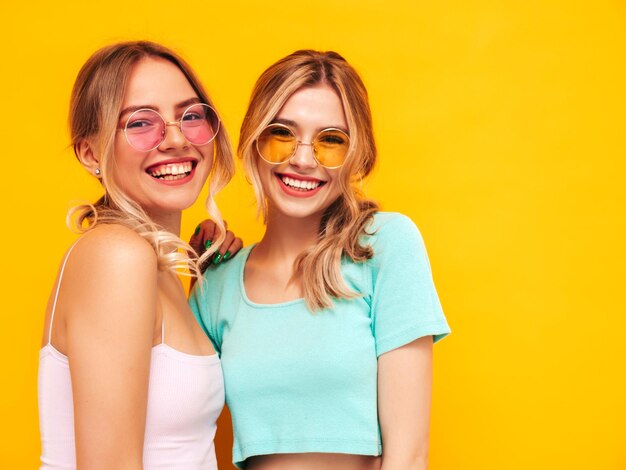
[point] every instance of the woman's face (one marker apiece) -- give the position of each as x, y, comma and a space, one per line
301, 187
170, 177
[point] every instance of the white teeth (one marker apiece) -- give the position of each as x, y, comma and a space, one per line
300, 184
172, 170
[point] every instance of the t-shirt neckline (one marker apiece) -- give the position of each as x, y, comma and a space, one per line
242, 286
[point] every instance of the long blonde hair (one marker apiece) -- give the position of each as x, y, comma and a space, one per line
95, 104
347, 218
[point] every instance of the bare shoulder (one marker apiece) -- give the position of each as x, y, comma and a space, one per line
109, 257
111, 242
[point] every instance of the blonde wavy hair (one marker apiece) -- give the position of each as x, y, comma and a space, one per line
95, 105
346, 219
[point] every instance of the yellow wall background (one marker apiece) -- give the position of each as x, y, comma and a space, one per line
501, 132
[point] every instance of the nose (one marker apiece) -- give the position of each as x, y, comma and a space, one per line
304, 156
173, 138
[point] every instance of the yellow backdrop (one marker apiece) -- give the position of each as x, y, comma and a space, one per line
501, 133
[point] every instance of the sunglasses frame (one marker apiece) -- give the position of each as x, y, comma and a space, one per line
298, 142
178, 123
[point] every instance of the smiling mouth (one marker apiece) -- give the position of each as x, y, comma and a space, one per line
300, 185
171, 171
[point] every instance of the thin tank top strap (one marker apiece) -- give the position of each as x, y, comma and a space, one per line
56, 294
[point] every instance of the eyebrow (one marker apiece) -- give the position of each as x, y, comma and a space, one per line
183, 104
294, 124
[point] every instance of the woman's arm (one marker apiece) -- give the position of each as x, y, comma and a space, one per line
404, 396
110, 289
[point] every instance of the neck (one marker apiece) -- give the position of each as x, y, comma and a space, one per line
286, 237
170, 222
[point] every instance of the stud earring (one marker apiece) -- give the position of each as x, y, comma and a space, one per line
97, 171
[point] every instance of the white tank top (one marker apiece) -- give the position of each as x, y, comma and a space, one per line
185, 398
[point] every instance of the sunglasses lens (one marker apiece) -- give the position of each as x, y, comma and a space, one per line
331, 147
276, 144
200, 124
145, 129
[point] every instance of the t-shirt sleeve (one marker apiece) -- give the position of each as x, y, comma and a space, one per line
405, 305
201, 310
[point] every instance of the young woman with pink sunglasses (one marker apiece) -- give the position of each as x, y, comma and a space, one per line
127, 379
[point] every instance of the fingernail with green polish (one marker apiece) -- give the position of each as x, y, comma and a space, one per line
217, 259
197, 230
207, 244
226, 256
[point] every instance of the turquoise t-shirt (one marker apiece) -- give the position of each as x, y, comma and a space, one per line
298, 381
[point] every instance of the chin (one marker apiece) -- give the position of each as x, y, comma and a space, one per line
170, 206
299, 210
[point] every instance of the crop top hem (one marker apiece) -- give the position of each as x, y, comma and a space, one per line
299, 446
437, 329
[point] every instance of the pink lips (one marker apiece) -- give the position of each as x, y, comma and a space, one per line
176, 161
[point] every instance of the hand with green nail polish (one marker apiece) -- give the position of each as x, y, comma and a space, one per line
204, 237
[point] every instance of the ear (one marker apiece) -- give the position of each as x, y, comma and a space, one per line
87, 157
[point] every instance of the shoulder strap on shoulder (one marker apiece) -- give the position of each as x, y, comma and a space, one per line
56, 294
